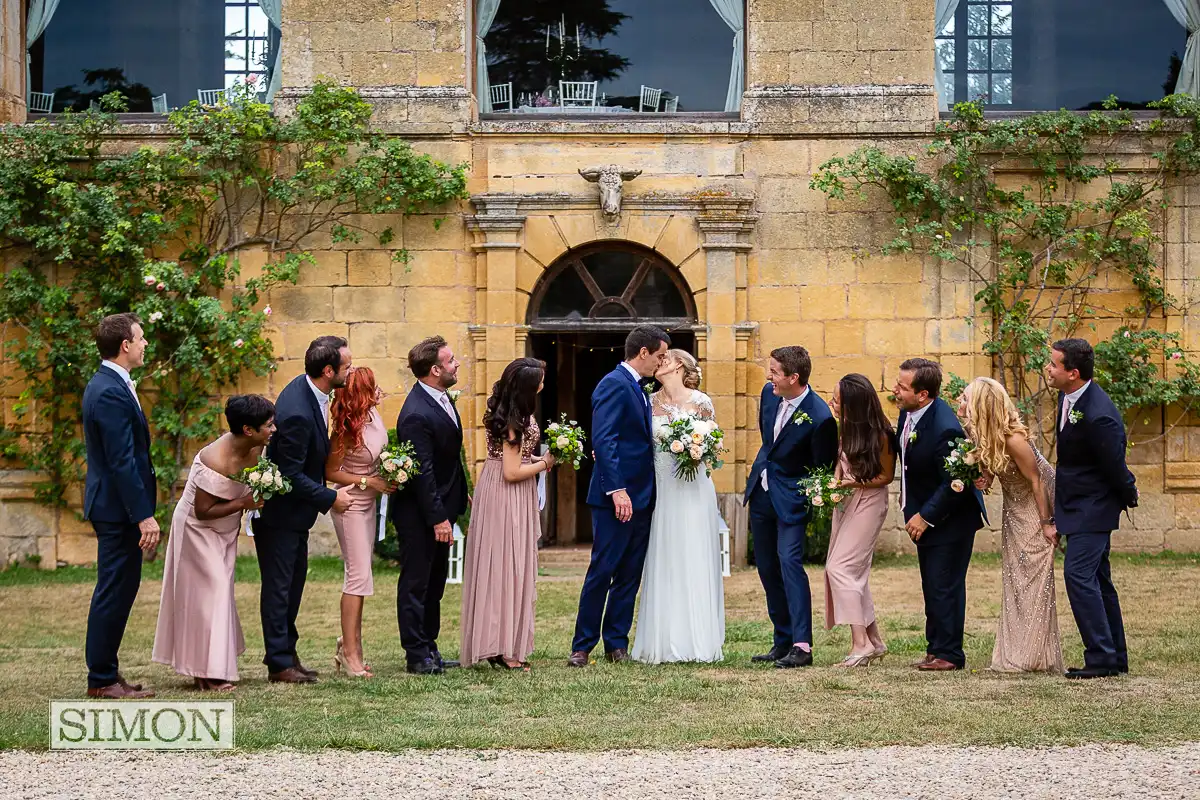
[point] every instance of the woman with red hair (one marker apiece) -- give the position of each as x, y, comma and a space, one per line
357, 438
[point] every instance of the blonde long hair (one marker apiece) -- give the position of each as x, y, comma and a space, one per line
991, 419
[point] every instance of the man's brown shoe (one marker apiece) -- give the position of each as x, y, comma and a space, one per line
938, 665
137, 687
115, 691
290, 675
579, 658
925, 659
312, 673
618, 655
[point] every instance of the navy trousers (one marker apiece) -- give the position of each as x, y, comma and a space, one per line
283, 562
1094, 600
613, 577
779, 556
944, 586
425, 563
118, 576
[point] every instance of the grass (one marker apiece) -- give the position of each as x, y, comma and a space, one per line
732, 704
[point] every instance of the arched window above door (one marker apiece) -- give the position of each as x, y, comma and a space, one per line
611, 286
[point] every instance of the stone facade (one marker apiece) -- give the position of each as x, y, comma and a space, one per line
725, 199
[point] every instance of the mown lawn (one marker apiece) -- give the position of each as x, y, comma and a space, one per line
732, 704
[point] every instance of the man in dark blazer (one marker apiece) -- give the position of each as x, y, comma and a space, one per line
424, 513
1092, 487
119, 498
941, 521
299, 448
621, 496
799, 434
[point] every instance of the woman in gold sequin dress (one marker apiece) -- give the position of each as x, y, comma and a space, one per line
1027, 639
501, 563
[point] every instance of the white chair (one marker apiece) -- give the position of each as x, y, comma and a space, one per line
501, 95
41, 102
577, 94
671, 106
650, 97
159, 104
210, 97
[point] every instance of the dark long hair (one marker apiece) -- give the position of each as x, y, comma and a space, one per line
864, 428
513, 400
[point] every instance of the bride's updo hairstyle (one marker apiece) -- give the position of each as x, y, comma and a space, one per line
691, 368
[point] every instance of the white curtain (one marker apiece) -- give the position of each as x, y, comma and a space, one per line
274, 11
943, 13
734, 14
1188, 14
485, 14
40, 14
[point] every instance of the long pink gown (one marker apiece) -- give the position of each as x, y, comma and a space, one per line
199, 633
356, 526
501, 564
856, 526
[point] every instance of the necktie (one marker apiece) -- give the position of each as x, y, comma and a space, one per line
133, 391
780, 420
1066, 413
449, 409
908, 429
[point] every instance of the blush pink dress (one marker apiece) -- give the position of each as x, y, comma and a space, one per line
199, 633
856, 526
356, 526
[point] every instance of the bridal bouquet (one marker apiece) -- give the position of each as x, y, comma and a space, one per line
265, 480
963, 465
693, 443
566, 441
824, 492
397, 463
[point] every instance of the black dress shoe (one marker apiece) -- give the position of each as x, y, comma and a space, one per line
426, 666
776, 653
1087, 673
443, 663
795, 658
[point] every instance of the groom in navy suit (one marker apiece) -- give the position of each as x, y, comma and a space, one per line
621, 496
941, 521
799, 434
1092, 487
119, 498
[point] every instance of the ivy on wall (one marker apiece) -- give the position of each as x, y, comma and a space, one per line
191, 233
1048, 213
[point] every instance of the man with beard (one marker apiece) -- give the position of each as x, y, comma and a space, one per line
299, 448
424, 514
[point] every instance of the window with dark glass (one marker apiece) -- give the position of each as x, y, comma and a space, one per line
1049, 54
609, 56
158, 54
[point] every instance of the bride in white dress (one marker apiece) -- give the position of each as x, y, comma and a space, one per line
682, 614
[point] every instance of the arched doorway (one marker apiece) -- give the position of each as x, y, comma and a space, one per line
579, 314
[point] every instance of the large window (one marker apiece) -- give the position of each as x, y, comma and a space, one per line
159, 53
1051, 54
610, 56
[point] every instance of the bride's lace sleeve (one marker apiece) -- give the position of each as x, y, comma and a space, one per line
704, 406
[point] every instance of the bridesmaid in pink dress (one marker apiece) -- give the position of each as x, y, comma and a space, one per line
359, 436
198, 633
866, 467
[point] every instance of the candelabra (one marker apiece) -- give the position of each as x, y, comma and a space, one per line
563, 55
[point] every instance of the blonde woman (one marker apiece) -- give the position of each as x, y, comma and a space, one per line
1027, 639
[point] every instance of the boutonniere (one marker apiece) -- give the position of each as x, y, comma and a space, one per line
1075, 416
800, 418
453, 394
912, 437
650, 388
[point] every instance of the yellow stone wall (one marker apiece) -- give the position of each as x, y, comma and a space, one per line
724, 198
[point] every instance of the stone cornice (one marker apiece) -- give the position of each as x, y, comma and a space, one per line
717, 206
864, 90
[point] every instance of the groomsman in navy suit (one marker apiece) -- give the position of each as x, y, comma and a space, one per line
941, 521
1092, 487
798, 434
119, 499
621, 496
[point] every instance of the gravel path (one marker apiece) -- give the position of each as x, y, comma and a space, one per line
1091, 772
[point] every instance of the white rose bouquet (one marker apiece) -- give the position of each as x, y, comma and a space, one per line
693, 443
565, 439
397, 464
824, 492
265, 480
963, 465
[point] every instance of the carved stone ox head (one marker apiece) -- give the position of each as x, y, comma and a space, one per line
611, 178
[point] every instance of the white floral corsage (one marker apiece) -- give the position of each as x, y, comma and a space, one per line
453, 394
800, 418
912, 437
1075, 417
